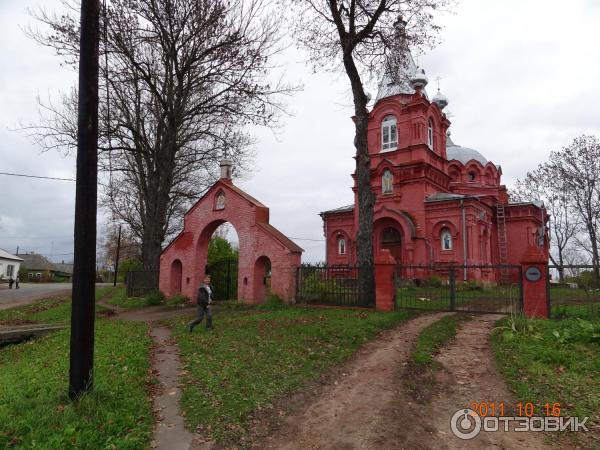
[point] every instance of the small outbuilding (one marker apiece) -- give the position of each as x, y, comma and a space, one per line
9, 265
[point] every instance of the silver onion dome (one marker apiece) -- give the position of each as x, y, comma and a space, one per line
440, 99
419, 80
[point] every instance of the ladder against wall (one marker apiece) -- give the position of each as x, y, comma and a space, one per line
502, 242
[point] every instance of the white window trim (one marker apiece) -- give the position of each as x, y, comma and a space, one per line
430, 134
387, 123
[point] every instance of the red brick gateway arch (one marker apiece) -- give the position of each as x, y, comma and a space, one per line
183, 261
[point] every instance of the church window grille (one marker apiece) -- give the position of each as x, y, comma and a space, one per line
389, 134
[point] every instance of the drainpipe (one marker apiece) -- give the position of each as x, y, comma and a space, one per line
326, 239
464, 231
429, 246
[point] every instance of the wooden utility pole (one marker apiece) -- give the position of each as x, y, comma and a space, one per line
84, 268
117, 258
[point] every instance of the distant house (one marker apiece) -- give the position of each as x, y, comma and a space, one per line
64, 269
9, 265
40, 268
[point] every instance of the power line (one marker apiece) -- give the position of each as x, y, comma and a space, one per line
36, 237
35, 176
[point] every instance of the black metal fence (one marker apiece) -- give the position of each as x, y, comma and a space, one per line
141, 282
224, 279
468, 288
331, 285
574, 291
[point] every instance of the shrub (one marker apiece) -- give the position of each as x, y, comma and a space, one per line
155, 298
470, 285
432, 281
177, 300
273, 301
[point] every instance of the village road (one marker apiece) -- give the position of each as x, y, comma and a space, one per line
31, 292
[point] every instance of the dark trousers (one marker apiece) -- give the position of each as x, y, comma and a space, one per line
202, 310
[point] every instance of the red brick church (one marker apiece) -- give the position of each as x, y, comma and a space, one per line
436, 202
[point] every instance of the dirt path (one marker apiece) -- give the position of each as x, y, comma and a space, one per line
354, 411
169, 431
469, 374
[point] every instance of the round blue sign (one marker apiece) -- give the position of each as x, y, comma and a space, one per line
533, 274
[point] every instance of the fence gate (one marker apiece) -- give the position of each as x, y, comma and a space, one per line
330, 285
224, 279
479, 289
141, 282
573, 291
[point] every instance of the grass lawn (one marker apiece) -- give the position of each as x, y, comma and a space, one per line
35, 411
254, 357
547, 361
422, 366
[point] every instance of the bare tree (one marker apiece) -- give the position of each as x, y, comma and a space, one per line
546, 185
180, 80
578, 167
364, 36
129, 246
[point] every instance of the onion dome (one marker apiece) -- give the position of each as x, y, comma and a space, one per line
419, 80
440, 99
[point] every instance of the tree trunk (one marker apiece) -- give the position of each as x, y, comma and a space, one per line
366, 199
595, 256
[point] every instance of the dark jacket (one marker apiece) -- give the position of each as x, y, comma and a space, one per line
204, 297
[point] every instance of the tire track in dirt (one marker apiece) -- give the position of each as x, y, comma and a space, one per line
469, 374
356, 410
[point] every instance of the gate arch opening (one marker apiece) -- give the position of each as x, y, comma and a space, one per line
222, 262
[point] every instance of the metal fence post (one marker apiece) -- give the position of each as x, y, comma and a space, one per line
452, 282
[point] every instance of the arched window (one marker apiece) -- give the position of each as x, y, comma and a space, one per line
387, 182
472, 177
341, 245
430, 134
446, 238
220, 200
389, 134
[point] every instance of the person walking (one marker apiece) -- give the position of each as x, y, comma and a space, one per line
10, 282
204, 305
17, 282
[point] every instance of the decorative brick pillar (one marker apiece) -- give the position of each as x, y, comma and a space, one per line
534, 268
384, 281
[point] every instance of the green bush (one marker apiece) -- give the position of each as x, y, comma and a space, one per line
432, 281
155, 298
177, 300
470, 285
272, 302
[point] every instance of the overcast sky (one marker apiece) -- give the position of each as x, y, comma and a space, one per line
522, 77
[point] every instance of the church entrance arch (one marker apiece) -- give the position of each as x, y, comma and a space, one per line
388, 235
